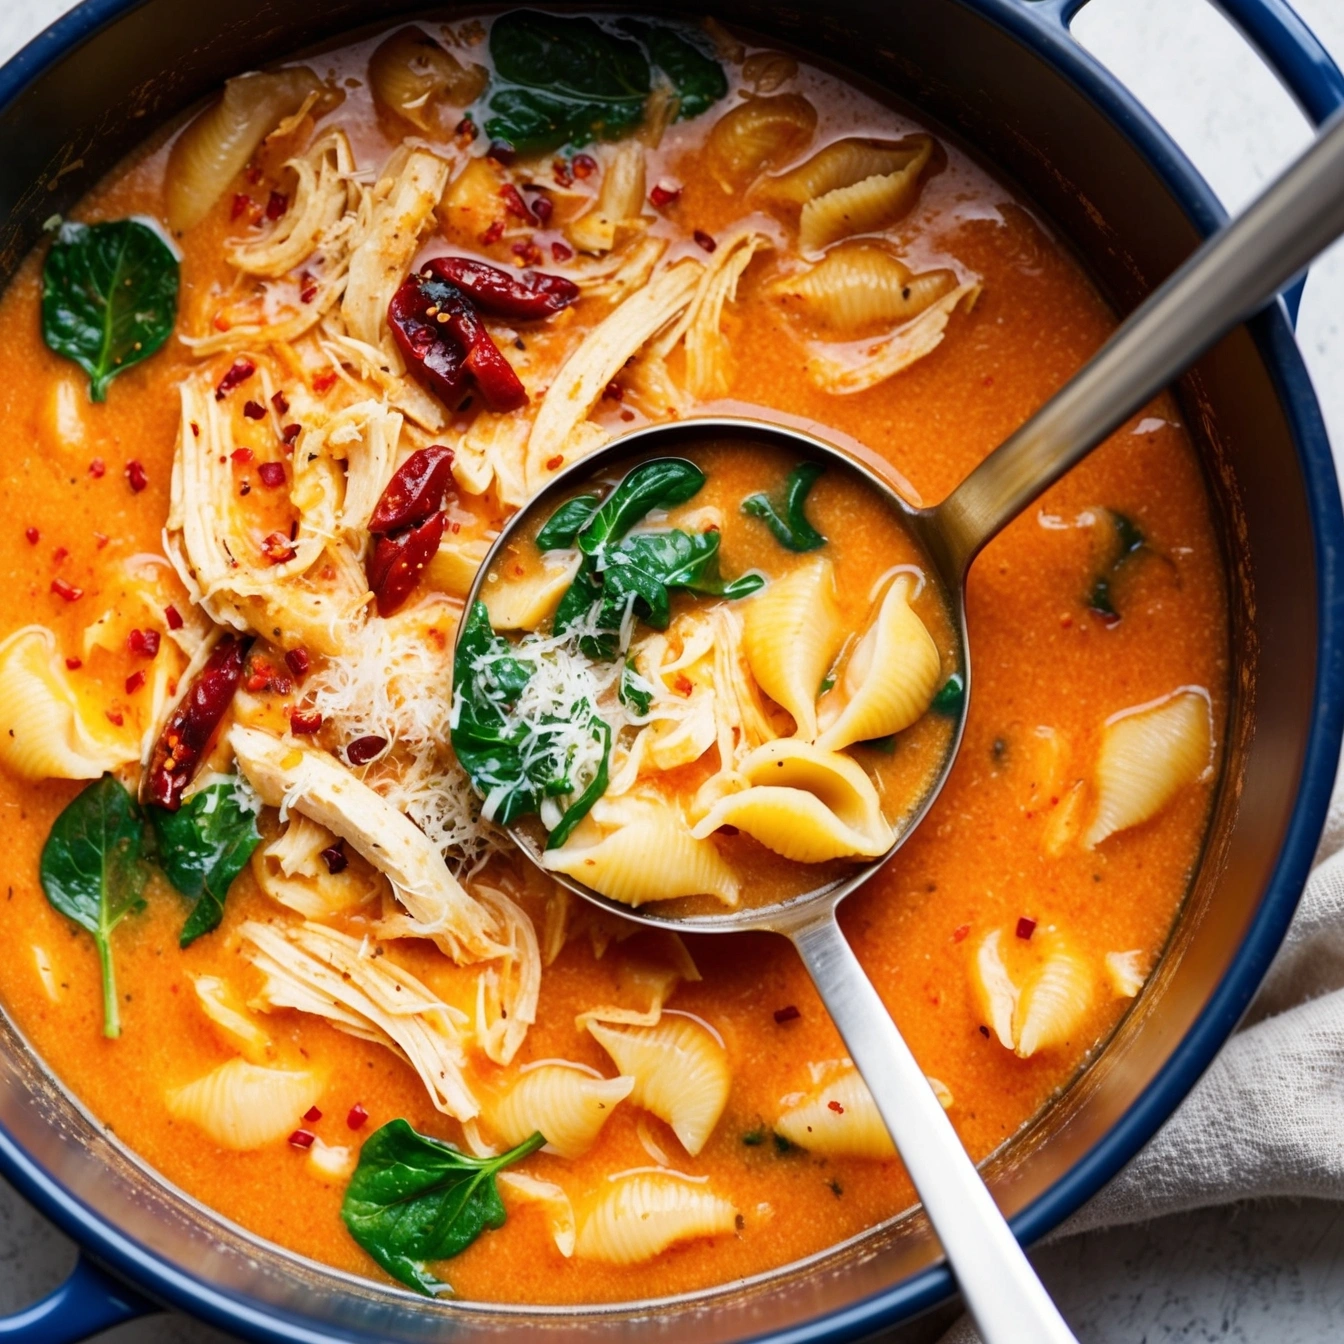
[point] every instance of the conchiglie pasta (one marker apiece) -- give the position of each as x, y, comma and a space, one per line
616, 864
244, 1106
838, 1119
859, 285
1148, 755
46, 732
230, 1019
1125, 972
566, 1104
680, 1073
638, 1216
412, 76
757, 135
214, 148
889, 679
791, 634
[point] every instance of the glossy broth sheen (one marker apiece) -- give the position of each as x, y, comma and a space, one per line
1043, 660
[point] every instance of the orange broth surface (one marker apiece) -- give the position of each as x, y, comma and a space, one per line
1041, 659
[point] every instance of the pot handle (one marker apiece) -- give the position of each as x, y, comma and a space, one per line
1289, 48
88, 1302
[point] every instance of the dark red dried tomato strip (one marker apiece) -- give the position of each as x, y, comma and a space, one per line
433, 356
415, 491
186, 736
397, 562
525, 297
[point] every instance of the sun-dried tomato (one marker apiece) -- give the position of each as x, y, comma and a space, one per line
526, 297
304, 722
254, 410
277, 205
415, 491
186, 736
363, 749
396, 563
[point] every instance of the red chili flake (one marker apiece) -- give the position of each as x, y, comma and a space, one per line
33, 535
312, 1115
298, 661
74, 664
304, 722
502, 152
301, 1138
836, 1107
363, 749
242, 456
280, 402
613, 391
527, 252
260, 674
253, 174
237, 372
513, 202
172, 618
584, 165
277, 205
241, 203
556, 462
664, 193
493, 234
335, 859
560, 171
195, 430
114, 716
984, 1031
466, 129
309, 292
245, 488
100, 539
143, 643
272, 474
1025, 928
789, 1014
276, 548
68, 591
542, 206
357, 1116
290, 433
561, 251
254, 410
324, 382
134, 682
135, 475
960, 932
59, 555
97, 468
704, 240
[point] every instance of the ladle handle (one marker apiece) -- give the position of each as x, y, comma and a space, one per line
1002, 1292
1232, 275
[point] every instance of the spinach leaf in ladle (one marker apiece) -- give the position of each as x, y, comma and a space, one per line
414, 1199
109, 297
788, 520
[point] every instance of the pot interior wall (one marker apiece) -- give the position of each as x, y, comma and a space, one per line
1030, 124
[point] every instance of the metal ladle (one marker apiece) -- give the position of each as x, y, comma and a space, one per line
1224, 282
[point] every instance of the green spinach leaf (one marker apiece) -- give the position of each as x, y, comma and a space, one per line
202, 847
597, 786
696, 76
414, 1199
91, 872
662, 483
1128, 542
951, 697
566, 523
789, 521
109, 297
631, 690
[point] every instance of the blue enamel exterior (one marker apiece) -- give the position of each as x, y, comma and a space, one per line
91, 1300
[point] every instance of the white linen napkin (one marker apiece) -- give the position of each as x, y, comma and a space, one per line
1268, 1117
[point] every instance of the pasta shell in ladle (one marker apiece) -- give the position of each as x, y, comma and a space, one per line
791, 634
888, 681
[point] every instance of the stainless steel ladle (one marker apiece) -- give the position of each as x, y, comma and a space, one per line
1223, 283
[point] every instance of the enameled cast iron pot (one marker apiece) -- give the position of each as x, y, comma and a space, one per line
1007, 79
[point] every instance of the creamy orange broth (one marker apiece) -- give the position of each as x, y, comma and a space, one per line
1041, 658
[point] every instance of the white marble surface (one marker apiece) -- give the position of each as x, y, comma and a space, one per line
1265, 1274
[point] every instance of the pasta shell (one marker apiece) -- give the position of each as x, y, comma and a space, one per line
45, 730
1148, 755
228, 1016
617, 864
791, 634
838, 1119
843, 163
640, 1215
889, 680
413, 77
527, 602
759, 134
680, 1072
215, 148
559, 1210
861, 284
619, 205
568, 1105
1053, 1001
1125, 972
244, 1106
994, 989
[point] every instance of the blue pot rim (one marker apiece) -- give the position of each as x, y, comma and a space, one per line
1041, 26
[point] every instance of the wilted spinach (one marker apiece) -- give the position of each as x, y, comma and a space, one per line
662, 483
789, 521
202, 847
565, 523
696, 77
1128, 542
414, 1199
91, 871
109, 297
951, 697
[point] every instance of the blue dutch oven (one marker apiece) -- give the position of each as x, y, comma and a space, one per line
1005, 77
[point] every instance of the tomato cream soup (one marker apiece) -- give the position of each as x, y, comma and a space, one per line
275, 387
